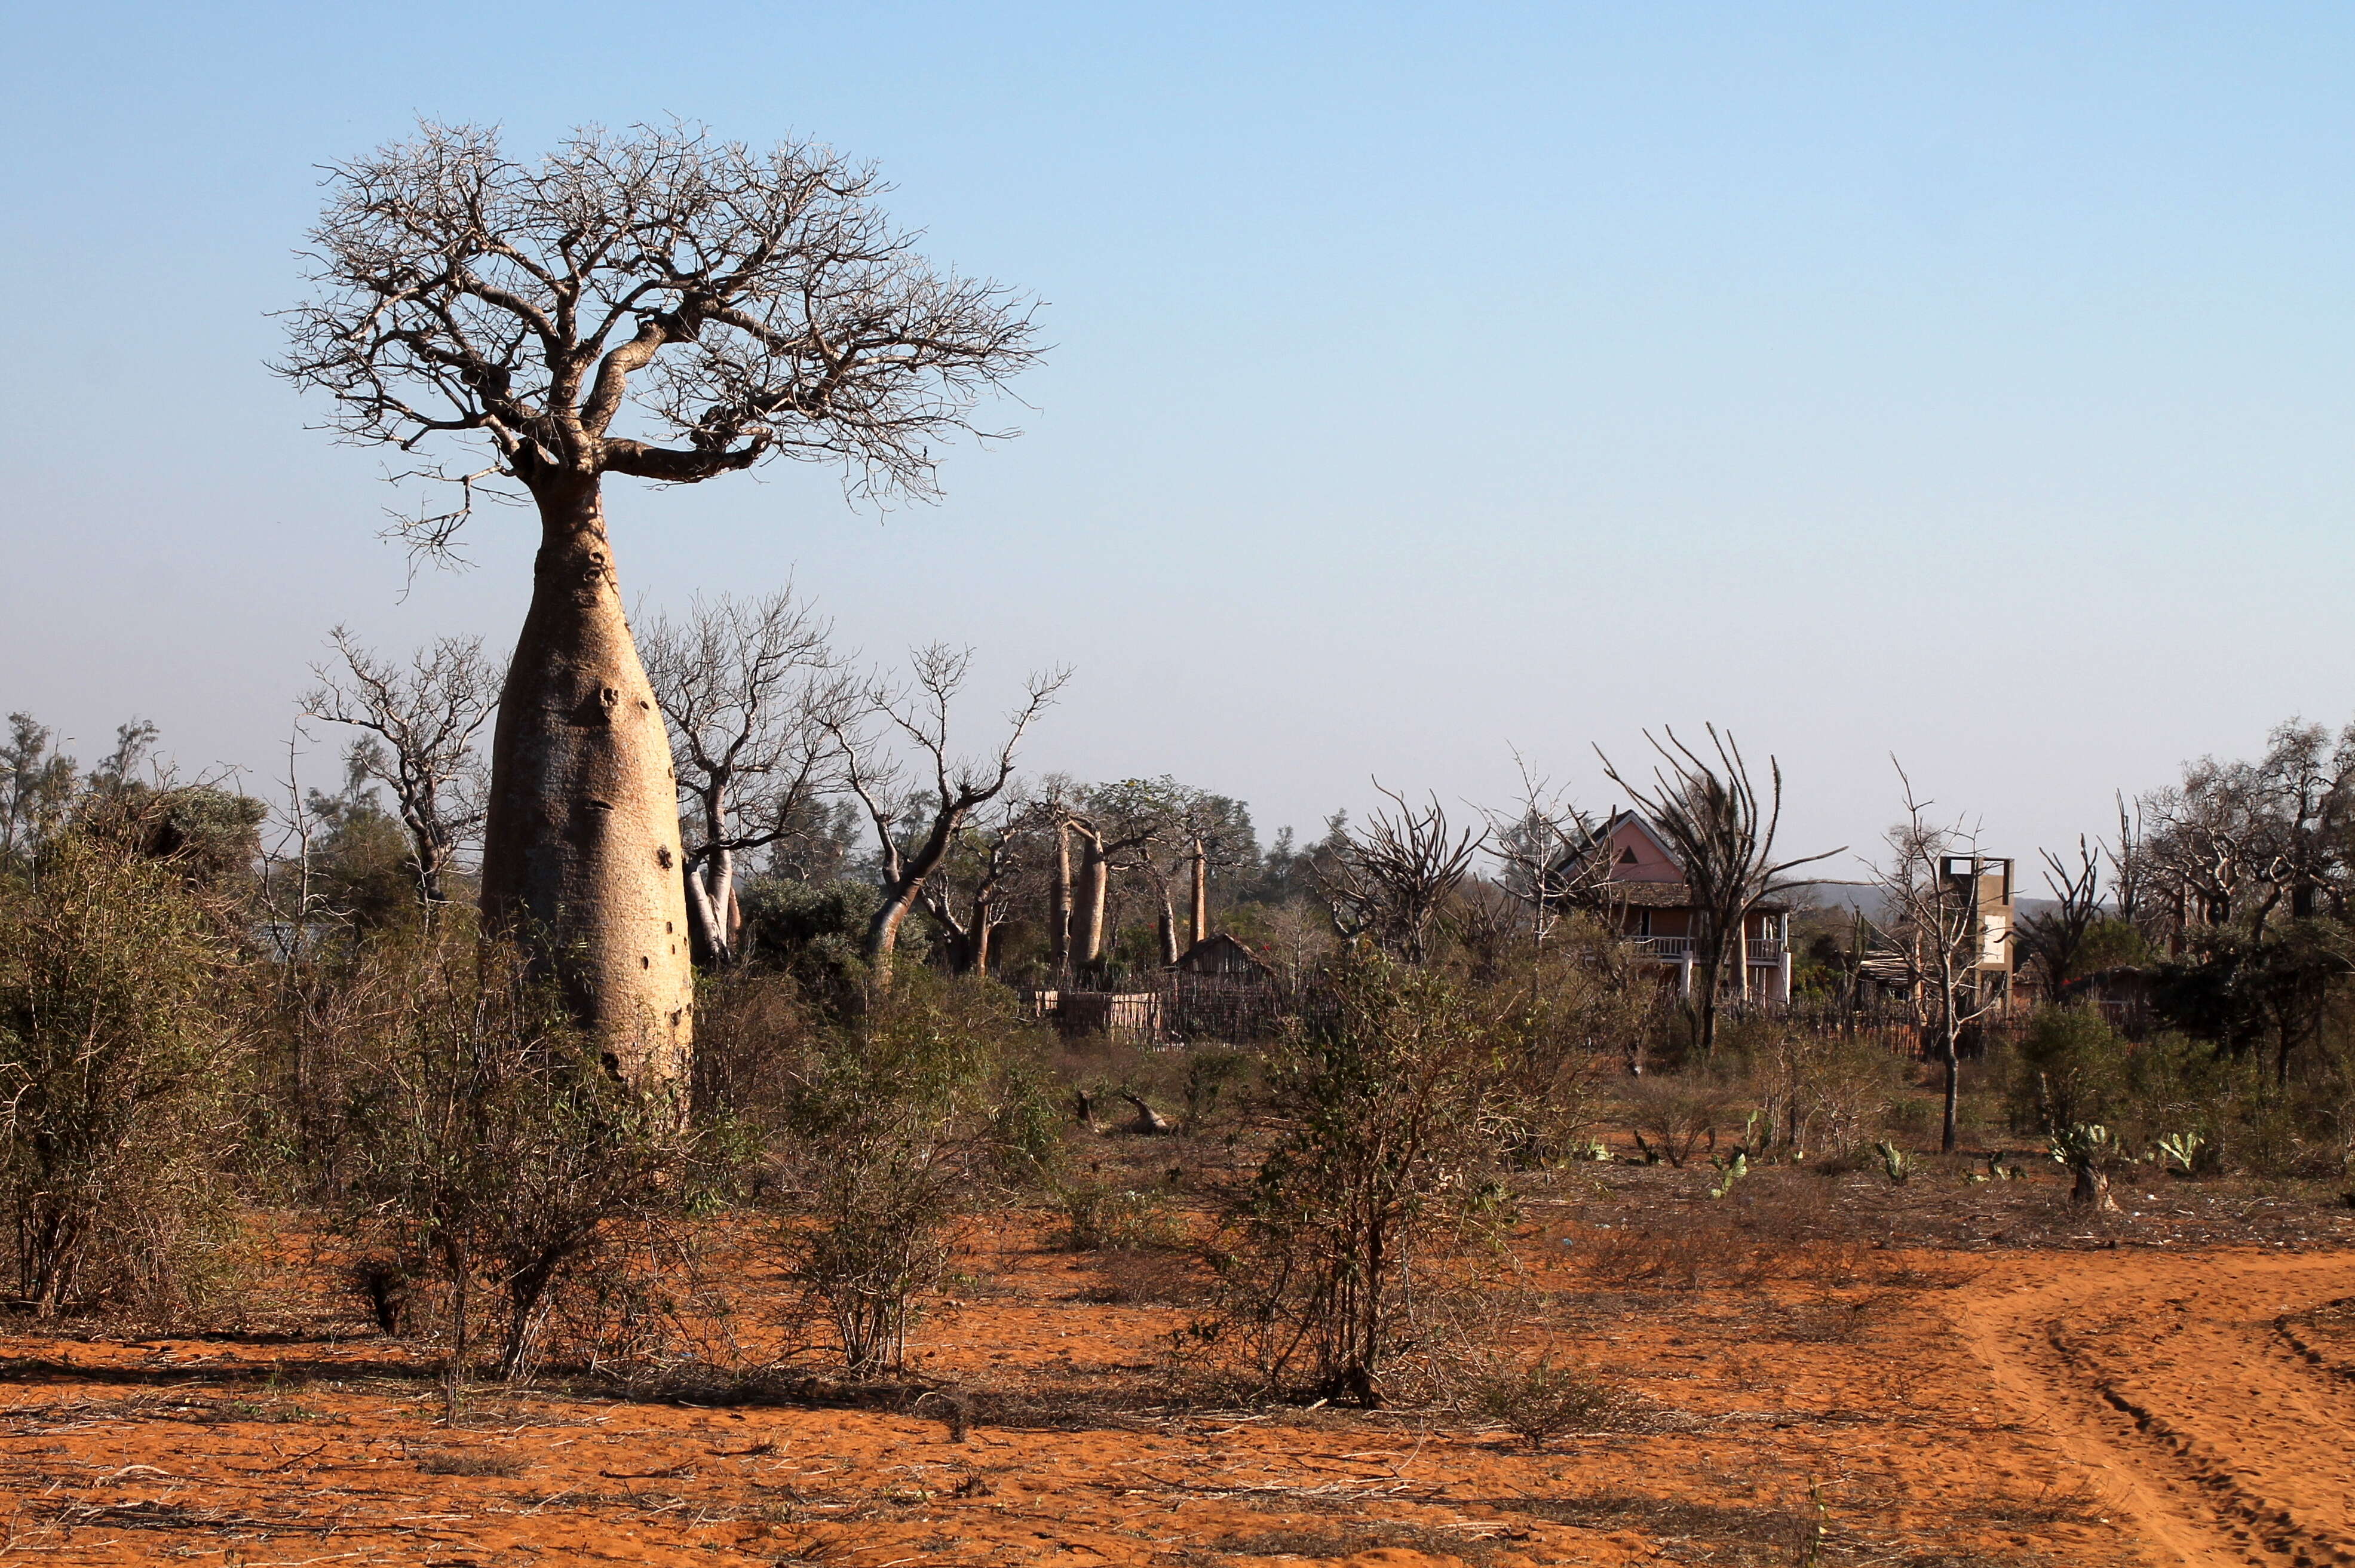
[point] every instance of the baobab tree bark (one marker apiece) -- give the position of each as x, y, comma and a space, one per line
1197, 922
582, 846
1095, 886
1059, 908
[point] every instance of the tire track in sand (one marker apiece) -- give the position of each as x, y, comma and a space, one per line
2181, 1385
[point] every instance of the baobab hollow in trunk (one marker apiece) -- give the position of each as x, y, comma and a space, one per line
582, 846
733, 305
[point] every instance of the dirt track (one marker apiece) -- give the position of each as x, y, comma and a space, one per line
2207, 1394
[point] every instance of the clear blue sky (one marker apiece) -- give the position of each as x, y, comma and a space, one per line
1971, 382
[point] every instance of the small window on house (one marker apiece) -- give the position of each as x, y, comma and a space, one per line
1628, 855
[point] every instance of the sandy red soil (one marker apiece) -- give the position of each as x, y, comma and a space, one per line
1885, 1406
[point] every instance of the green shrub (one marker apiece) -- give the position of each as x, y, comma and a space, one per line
2071, 1067
119, 1062
492, 1163
895, 1123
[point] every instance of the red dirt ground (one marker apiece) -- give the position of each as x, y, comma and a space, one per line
2105, 1400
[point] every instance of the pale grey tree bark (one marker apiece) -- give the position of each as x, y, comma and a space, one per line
914, 827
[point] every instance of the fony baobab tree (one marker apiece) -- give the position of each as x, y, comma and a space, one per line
657, 305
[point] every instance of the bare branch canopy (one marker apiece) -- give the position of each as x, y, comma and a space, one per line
659, 302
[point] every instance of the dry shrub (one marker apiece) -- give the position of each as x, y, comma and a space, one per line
1104, 1216
118, 1065
1147, 1278
893, 1126
1672, 1117
1538, 1400
1376, 1204
493, 1166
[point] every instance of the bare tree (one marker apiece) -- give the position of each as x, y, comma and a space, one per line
426, 714
1547, 849
2056, 940
1930, 937
1723, 832
915, 829
744, 305
746, 688
1390, 882
967, 892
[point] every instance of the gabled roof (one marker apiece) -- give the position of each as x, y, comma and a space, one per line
1221, 954
1651, 835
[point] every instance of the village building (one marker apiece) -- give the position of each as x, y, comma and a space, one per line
1643, 892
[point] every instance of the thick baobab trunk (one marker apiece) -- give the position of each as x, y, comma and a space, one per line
580, 847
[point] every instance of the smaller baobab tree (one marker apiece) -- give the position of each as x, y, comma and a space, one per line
916, 826
420, 722
746, 688
1389, 883
1930, 937
1722, 829
2062, 940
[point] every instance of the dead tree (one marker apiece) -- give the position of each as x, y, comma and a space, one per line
723, 306
915, 830
1389, 882
746, 688
1930, 937
1723, 832
426, 716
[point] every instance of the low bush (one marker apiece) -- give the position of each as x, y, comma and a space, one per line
1540, 1400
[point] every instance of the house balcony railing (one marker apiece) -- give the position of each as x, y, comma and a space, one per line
1760, 950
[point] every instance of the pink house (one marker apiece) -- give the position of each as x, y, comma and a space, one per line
1645, 895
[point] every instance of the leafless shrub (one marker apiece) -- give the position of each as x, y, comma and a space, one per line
1671, 1117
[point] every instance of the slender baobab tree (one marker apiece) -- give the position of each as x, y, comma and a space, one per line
746, 688
424, 719
655, 304
1723, 832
